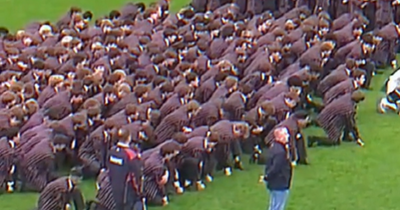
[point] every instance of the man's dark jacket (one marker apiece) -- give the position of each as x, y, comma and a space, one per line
278, 169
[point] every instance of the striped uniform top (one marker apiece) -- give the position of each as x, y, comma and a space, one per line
7, 158
338, 90
334, 116
282, 111
275, 90
171, 124
207, 115
172, 104
104, 193
198, 131
55, 196
194, 147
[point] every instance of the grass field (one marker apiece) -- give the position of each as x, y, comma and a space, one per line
343, 178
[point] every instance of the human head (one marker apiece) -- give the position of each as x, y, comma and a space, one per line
281, 135
76, 175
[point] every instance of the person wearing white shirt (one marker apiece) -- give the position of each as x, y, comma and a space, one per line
392, 99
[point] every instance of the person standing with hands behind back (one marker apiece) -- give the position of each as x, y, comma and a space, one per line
126, 174
278, 170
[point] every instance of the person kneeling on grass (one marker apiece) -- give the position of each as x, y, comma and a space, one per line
279, 169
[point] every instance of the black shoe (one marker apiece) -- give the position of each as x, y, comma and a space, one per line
310, 141
347, 138
303, 162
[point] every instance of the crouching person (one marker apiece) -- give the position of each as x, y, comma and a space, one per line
193, 160
156, 173
392, 99
7, 165
60, 193
230, 134
36, 167
338, 121
104, 196
390, 102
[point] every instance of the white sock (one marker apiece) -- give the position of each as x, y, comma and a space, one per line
228, 171
187, 183
200, 183
237, 159
177, 184
10, 186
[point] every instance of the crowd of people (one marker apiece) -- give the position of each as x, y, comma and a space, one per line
188, 92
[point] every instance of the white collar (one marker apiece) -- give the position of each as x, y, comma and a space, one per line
70, 184
355, 84
122, 144
348, 71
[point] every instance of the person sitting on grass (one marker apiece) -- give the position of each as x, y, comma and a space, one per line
392, 99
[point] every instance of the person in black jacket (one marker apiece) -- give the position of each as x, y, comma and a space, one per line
278, 170
126, 174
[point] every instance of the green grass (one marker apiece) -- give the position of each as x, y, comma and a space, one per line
343, 178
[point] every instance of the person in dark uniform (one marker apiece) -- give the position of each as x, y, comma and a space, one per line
125, 174
278, 169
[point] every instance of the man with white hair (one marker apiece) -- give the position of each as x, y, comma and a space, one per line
392, 98
278, 170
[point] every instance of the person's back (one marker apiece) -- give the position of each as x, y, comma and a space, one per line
125, 173
278, 169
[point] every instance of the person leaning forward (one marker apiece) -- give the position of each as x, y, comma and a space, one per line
278, 169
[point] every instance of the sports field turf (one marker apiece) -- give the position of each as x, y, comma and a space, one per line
343, 178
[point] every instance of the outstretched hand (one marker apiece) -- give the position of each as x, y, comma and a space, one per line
360, 142
262, 179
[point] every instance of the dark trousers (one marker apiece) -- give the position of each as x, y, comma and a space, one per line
301, 150
393, 97
209, 164
325, 141
369, 68
190, 170
127, 201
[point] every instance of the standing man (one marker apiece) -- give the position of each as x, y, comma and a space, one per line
278, 170
125, 174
